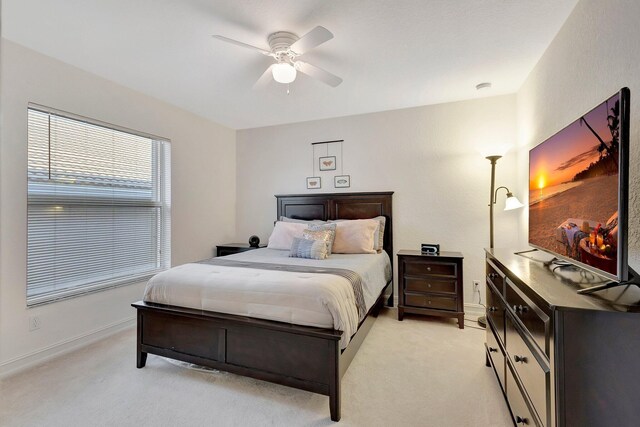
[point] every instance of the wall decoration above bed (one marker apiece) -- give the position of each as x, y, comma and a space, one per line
342, 181
314, 182
329, 162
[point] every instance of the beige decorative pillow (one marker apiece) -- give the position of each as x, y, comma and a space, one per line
378, 245
329, 227
355, 236
326, 236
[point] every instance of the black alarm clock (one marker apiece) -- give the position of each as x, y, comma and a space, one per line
254, 241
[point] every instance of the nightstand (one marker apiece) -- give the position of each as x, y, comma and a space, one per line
430, 284
234, 248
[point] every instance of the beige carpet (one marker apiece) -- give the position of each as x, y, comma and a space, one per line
419, 372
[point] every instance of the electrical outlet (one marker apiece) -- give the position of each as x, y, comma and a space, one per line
34, 323
476, 283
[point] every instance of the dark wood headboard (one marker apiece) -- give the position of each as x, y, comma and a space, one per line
327, 206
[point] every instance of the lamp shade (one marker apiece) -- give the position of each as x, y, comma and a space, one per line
493, 149
512, 202
283, 72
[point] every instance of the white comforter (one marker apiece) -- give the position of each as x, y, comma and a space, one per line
321, 300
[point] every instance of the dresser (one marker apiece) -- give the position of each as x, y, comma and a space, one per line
430, 284
234, 248
561, 359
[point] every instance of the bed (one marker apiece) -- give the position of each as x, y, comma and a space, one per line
304, 357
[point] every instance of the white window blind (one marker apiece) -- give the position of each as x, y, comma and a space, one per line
98, 205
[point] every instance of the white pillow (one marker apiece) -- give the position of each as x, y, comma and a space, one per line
283, 234
355, 236
378, 241
304, 221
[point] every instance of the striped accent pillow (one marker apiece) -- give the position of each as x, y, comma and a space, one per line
312, 232
305, 248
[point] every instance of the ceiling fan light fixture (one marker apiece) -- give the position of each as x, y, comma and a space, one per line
284, 72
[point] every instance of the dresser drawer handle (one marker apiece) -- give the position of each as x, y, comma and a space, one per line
428, 268
522, 309
493, 275
520, 420
428, 285
520, 359
492, 309
493, 350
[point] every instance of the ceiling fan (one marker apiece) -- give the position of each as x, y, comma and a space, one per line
285, 48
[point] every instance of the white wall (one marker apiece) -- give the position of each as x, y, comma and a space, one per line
427, 155
203, 196
595, 53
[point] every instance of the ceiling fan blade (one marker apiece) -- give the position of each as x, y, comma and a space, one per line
318, 73
313, 38
237, 43
265, 78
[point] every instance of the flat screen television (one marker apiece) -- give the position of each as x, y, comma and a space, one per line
578, 190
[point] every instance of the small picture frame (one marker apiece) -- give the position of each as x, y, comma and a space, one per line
313, 182
327, 163
342, 181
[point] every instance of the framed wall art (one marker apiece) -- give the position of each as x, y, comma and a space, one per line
327, 163
342, 181
313, 182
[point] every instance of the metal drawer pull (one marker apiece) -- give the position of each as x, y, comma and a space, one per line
520, 420
492, 309
428, 268
520, 359
493, 350
493, 275
520, 308
428, 285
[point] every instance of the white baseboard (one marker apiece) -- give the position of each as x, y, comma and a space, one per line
37, 357
473, 311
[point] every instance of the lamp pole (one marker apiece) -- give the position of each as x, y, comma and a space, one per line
493, 160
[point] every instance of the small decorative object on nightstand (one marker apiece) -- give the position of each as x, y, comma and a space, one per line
254, 241
234, 248
430, 284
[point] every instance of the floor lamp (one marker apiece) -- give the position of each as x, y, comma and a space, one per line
511, 203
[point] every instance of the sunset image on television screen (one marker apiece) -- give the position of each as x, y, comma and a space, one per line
573, 189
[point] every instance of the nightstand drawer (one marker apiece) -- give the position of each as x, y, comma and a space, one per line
430, 301
430, 268
428, 284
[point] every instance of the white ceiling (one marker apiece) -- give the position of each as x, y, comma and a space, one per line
391, 54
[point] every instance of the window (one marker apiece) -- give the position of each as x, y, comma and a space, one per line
98, 205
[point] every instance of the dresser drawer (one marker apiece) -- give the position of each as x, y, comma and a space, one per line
495, 276
428, 284
534, 320
522, 416
496, 355
495, 312
430, 301
430, 268
532, 374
